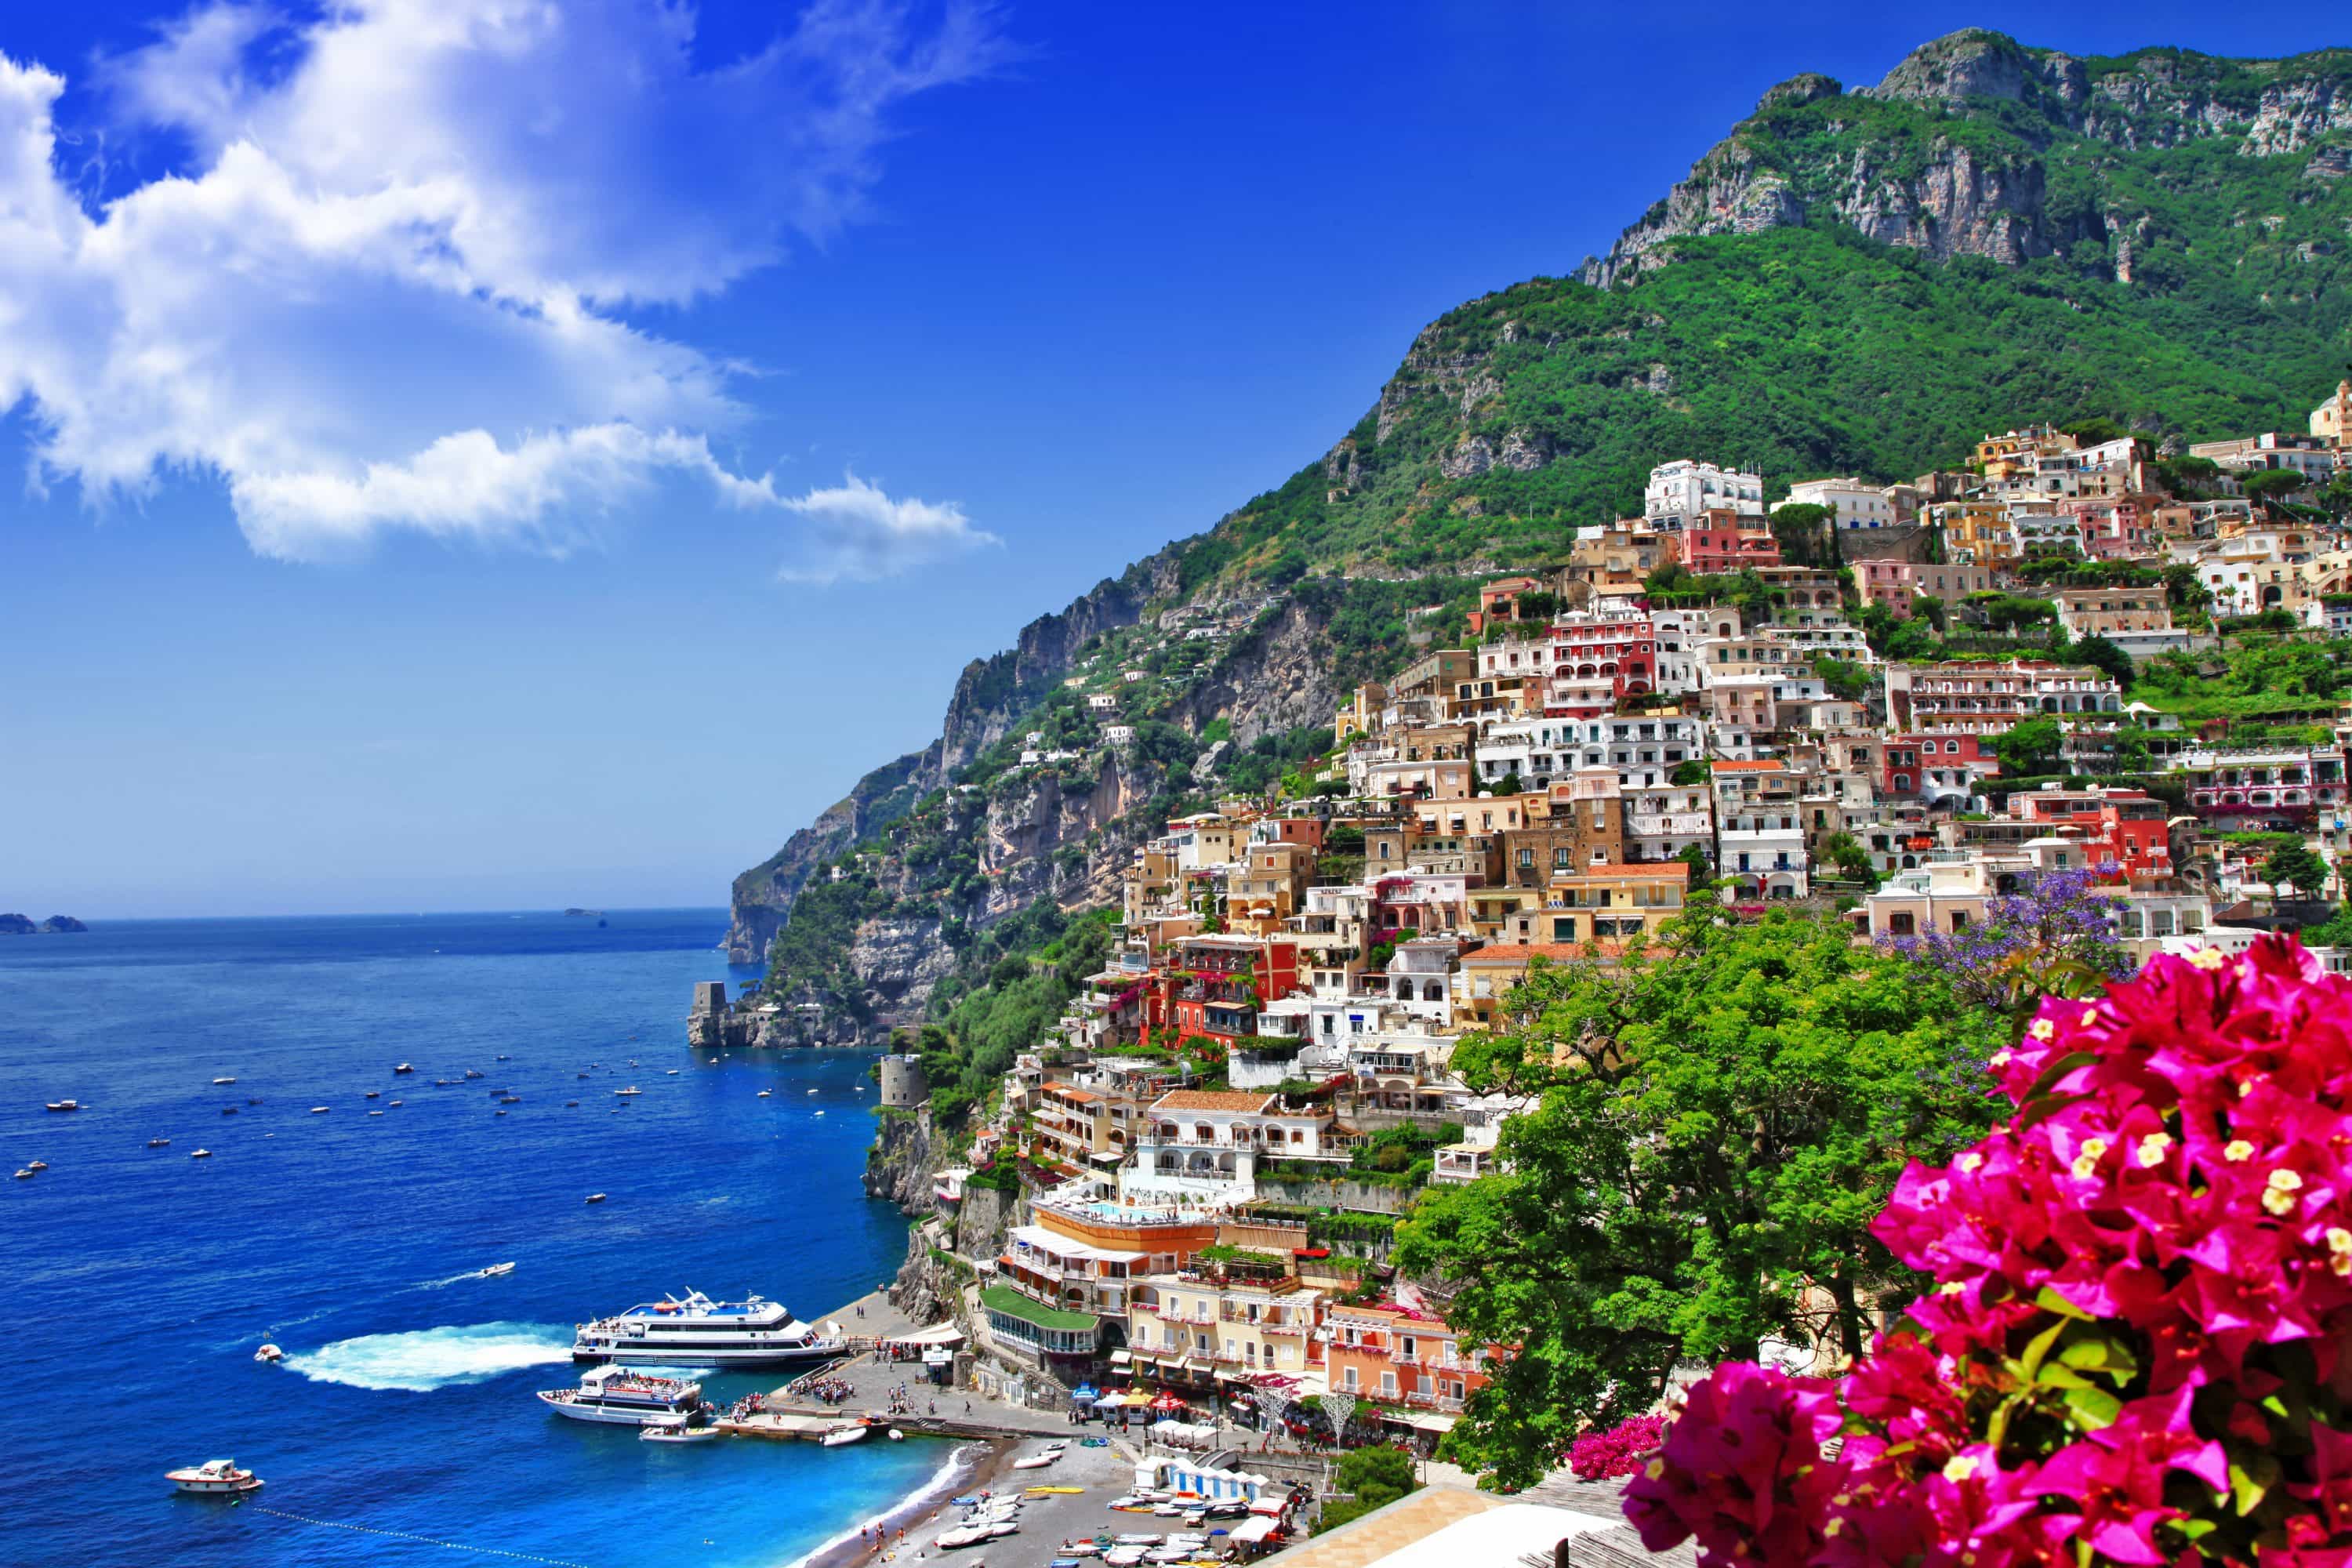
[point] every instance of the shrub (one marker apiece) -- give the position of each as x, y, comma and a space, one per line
1619, 1451
2134, 1349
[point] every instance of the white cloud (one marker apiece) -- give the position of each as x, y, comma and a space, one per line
385, 293
858, 531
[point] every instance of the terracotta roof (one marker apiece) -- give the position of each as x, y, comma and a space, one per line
1508, 955
1080, 1095
1211, 1100
1744, 767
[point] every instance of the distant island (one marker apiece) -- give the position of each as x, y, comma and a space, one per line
583, 911
23, 925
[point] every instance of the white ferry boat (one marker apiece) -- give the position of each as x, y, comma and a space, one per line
699, 1332
622, 1398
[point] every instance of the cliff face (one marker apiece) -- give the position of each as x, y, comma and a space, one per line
761, 898
1950, 154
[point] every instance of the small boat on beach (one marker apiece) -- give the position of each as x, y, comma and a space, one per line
1035, 1461
215, 1478
961, 1535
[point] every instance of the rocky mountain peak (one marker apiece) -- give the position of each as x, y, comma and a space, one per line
1971, 63
1805, 87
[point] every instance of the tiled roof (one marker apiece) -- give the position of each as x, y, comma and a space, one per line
1508, 955
1211, 1100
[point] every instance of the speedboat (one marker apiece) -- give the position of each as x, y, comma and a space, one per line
404, 1068
842, 1437
36, 1165
215, 1478
594, 1198
65, 1105
394, 1102
317, 1110
497, 1269
202, 1155
219, 1081
616, 1396
375, 1094
672, 1073
678, 1432
253, 1099
699, 1332
159, 1142
24, 1176
630, 1092
268, 1352
471, 1073
228, 1111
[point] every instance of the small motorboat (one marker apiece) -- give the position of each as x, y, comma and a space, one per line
375, 1113
596, 1197
375, 1094
570, 1103
511, 1099
65, 1105
503, 1057
440, 1083
24, 1176
228, 1111
268, 1352
842, 1437
36, 1165
495, 1270
394, 1102
897, 1435
219, 1081
583, 1074
498, 1113
812, 1092
215, 1478
820, 1113
471, 1073
159, 1142
1035, 1461
765, 1092
404, 1068
202, 1155
961, 1535
253, 1099
677, 1432
672, 1073
317, 1110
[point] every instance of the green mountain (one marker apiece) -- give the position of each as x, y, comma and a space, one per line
1853, 281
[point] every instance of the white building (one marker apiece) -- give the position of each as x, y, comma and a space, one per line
1855, 505
1681, 493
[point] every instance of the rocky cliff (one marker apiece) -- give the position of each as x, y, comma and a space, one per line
761, 898
1952, 153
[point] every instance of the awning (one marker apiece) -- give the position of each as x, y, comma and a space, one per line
936, 1335
1255, 1528
939, 1355
1271, 1506
1120, 1358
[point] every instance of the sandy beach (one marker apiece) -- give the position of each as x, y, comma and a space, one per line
1047, 1521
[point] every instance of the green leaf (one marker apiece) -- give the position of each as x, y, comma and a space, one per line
2252, 1480
2049, 1301
2093, 1408
2038, 1347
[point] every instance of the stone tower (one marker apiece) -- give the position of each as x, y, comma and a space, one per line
902, 1082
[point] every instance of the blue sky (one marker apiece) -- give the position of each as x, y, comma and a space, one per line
438, 427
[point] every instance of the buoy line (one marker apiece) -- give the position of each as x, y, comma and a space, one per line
420, 1540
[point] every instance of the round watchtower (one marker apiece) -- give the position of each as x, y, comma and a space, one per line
902, 1082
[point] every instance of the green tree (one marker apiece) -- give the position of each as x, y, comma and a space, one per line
1723, 1113
2272, 485
2102, 655
1377, 1476
1845, 852
2296, 866
2030, 748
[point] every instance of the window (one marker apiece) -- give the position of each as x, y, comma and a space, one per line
1348, 1376
1564, 927
1389, 1383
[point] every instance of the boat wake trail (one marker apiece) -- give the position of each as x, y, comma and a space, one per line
426, 1359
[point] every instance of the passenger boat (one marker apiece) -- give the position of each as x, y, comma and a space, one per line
699, 1332
614, 1397
215, 1478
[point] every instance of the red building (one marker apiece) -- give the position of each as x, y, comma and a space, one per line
1598, 658
1933, 764
2125, 830
1719, 545
1221, 981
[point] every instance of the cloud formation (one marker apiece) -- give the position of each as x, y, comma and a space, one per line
388, 293
860, 533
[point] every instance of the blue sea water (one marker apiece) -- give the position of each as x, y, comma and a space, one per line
139, 1280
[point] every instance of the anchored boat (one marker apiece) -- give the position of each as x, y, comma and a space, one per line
699, 1332
615, 1398
215, 1478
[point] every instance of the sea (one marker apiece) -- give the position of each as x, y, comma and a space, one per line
401, 1428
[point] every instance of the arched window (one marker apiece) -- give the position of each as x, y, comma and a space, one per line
1433, 992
